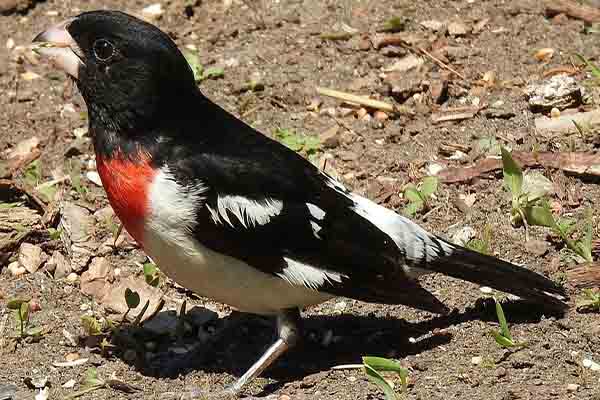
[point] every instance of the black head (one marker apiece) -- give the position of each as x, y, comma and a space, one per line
129, 72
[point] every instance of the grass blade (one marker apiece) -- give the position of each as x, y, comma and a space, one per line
378, 380
502, 320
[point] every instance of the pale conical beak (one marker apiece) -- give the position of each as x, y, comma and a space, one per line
57, 45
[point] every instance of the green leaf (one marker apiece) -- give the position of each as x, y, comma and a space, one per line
384, 364
91, 378
412, 194
34, 332
566, 226
502, 341
412, 208
478, 245
378, 380
394, 24
47, 192
33, 173
289, 139
312, 144
24, 311
540, 216
54, 234
194, 62
502, 320
593, 68
429, 186
15, 304
151, 274
91, 325
513, 176
132, 298
213, 73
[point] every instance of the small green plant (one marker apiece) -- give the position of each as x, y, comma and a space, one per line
132, 298
22, 310
374, 365
419, 198
591, 300
503, 337
33, 173
307, 145
92, 382
482, 245
93, 326
54, 234
394, 24
593, 67
200, 72
151, 274
533, 209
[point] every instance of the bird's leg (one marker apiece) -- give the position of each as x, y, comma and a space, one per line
288, 331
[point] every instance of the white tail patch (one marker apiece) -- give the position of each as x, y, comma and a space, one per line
298, 273
415, 241
247, 211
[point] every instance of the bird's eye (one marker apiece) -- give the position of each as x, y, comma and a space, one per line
103, 49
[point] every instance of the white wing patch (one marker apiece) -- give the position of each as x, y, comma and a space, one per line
298, 273
173, 205
319, 215
248, 212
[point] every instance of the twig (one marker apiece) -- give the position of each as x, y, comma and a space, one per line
572, 9
363, 101
441, 63
573, 162
560, 70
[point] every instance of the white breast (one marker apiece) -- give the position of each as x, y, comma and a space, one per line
168, 240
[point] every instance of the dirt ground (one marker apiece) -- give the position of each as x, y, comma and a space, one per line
281, 45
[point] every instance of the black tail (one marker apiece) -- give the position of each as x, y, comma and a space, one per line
500, 275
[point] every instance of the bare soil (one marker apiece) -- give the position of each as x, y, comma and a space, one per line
279, 43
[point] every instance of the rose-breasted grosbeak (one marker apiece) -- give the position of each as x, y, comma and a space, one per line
232, 214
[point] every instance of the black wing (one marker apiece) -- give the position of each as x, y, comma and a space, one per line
273, 209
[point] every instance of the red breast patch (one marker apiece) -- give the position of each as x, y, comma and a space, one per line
127, 184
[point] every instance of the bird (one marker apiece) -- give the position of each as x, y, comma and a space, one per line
234, 215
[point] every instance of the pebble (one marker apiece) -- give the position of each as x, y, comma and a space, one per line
72, 277
69, 384
572, 387
380, 115
486, 290
94, 177
30, 257
476, 360
10, 43
340, 306
72, 357
501, 372
457, 29
15, 269
433, 25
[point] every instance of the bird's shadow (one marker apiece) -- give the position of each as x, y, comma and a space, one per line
327, 341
